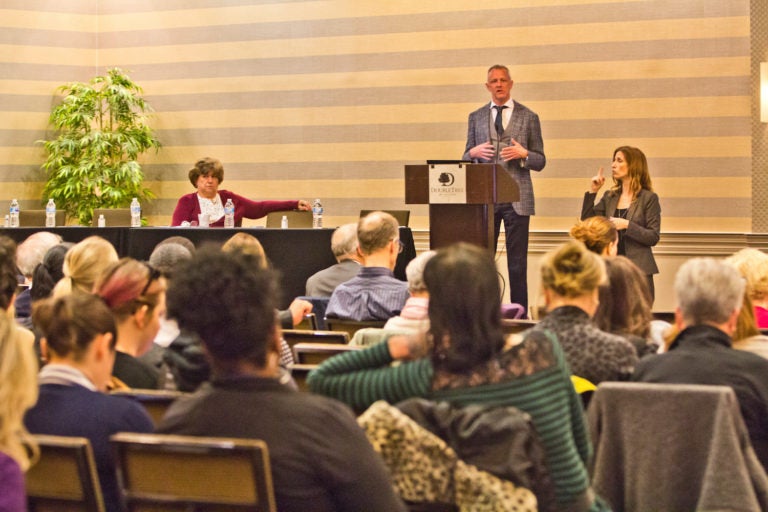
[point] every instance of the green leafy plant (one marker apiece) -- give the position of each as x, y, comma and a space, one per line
102, 129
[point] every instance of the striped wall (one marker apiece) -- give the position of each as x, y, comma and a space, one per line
330, 99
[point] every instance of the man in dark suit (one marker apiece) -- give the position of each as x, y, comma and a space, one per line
514, 140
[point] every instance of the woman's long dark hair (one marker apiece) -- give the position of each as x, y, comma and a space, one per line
464, 307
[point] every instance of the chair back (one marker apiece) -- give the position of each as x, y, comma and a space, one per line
350, 326
309, 322
161, 473
510, 326
294, 336
155, 401
64, 479
402, 216
36, 218
300, 372
113, 217
296, 219
673, 447
316, 353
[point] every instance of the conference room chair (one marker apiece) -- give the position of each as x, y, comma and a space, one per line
350, 326
36, 218
294, 336
113, 217
514, 326
673, 447
170, 473
309, 323
402, 216
300, 372
316, 353
64, 479
155, 401
296, 219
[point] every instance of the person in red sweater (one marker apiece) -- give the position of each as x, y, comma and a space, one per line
206, 176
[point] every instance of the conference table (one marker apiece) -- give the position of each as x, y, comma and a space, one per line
295, 253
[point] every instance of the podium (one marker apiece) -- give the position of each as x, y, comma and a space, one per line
461, 199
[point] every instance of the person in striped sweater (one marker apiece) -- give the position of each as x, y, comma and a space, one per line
467, 359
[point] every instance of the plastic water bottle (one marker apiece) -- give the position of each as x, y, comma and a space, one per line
317, 214
284, 222
102, 222
14, 214
135, 213
229, 214
50, 214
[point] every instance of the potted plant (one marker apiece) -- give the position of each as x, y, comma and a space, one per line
102, 129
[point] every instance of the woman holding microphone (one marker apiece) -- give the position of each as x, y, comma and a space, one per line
632, 206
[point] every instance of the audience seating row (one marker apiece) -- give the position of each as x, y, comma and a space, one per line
716, 467
157, 473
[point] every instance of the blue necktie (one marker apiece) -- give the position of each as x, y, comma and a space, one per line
499, 121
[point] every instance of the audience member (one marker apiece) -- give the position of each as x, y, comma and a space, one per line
83, 264
18, 392
570, 277
344, 248
709, 296
49, 272
8, 285
753, 266
249, 244
320, 458
598, 234
375, 293
135, 293
471, 361
165, 257
624, 306
181, 240
185, 357
79, 340
29, 255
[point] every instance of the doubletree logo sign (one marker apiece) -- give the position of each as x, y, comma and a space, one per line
446, 179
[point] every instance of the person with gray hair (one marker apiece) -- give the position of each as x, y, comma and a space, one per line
709, 295
414, 314
344, 248
29, 255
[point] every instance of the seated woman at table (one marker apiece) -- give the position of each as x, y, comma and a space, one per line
206, 176
468, 360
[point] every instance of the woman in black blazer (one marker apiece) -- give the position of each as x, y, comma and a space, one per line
631, 205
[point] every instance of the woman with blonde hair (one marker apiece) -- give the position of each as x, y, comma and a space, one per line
83, 264
570, 279
18, 392
598, 234
752, 264
135, 293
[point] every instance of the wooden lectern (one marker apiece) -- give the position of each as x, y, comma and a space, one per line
470, 221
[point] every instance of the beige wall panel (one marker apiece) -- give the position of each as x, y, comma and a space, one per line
443, 40
31, 19
732, 187
312, 10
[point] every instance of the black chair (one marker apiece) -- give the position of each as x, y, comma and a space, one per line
36, 218
64, 479
113, 217
296, 219
402, 216
155, 401
183, 473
